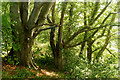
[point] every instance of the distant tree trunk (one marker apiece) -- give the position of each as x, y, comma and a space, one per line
52, 36
59, 44
89, 50
56, 48
85, 24
118, 39
91, 20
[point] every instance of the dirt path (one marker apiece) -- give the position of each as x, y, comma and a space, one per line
39, 73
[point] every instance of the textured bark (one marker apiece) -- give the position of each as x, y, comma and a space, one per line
23, 35
52, 33
91, 22
89, 50
41, 18
56, 48
59, 63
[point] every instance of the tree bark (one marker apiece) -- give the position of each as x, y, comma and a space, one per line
59, 46
23, 38
89, 50
56, 48
52, 34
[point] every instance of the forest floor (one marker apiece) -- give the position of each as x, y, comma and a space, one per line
13, 71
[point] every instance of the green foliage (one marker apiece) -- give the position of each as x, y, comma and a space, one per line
23, 73
5, 74
12, 60
17, 73
6, 29
83, 69
74, 65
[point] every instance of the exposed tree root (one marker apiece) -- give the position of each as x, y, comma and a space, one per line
33, 65
29, 66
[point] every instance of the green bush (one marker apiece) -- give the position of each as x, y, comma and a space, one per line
12, 60
80, 67
18, 74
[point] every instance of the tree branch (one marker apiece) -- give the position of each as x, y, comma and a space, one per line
95, 50
74, 45
107, 39
42, 17
59, 43
24, 10
35, 13
96, 7
83, 30
44, 12
85, 24
101, 25
48, 28
100, 13
110, 52
53, 26
52, 33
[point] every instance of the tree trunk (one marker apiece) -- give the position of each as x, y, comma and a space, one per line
23, 34
24, 50
58, 60
59, 44
56, 48
89, 50
85, 24
119, 39
26, 54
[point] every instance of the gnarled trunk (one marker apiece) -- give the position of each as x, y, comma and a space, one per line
24, 50
25, 30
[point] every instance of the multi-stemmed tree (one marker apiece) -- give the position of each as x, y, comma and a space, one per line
27, 25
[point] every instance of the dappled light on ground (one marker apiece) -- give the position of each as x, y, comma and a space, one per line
46, 72
39, 73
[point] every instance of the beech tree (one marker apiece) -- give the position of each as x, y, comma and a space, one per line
77, 37
26, 27
78, 25
91, 26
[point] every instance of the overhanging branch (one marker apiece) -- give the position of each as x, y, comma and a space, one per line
110, 52
100, 13
52, 26
83, 30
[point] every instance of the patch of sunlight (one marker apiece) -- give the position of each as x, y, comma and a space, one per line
4, 54
47, 73
42, 45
